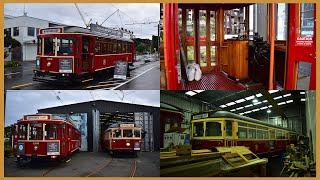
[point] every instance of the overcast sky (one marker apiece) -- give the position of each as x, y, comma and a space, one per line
22, 102
67, 13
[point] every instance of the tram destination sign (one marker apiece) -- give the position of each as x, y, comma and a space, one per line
127, 125
51, 30
105, 30
34, 118
120, 70
200, 116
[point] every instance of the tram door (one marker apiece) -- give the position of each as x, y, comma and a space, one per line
230, 129
197, 29
301, 47
87, 54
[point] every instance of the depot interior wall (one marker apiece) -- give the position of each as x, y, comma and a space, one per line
186, 105
94, 108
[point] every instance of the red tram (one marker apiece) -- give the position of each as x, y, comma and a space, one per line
75, 54
221, 128
44, 136
123, 137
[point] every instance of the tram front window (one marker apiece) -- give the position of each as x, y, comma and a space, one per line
51, 131
136, 133
117, 133
36, 131
198, 129
65, 46
127, 133
22, 131
213, 129
48, 46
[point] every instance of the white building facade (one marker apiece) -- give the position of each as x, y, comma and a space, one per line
25, 30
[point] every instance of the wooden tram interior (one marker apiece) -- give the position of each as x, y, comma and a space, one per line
237, 48
268, 123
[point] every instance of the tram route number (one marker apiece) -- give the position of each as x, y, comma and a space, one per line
120, 70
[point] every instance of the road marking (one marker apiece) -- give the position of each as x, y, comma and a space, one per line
12, 73
21, 85
133, 78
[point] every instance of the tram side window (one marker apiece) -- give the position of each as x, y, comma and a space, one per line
117, 133
51, 131
98, 48
127, 133
36, 131
65, 46
39, 43
228, 128
197, 129
48, 46
136, 133
22, 131
242, 133
213, 129
272, 134
252, 134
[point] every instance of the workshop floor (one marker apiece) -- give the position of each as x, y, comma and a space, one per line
215, 81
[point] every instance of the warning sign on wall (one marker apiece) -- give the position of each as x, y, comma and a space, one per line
304, 41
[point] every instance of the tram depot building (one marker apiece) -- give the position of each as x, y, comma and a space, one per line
94, 117
237, 133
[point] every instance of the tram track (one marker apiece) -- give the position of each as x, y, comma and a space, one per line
133, 168
101, 167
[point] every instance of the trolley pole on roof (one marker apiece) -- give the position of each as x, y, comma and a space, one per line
272, 34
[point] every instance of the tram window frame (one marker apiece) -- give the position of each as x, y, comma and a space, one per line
126, 133
240, 128
272, 134
137, 132
70, 45
23, 131
48, 46
114, 135
48, 131
98, 48
196, 128
252, 134
228, 130
216, 128
36, 133
39, 46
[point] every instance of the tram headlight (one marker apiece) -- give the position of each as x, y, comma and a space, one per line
20, 149
65, 66
35, 148
38, 63
53, 148
127, 144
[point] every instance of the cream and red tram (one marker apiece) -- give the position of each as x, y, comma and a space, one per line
44, 136
221, 128
123, 137
74, 54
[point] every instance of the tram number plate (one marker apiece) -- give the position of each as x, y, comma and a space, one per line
120, 70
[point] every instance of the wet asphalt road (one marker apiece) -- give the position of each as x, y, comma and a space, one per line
144, 75
89, 164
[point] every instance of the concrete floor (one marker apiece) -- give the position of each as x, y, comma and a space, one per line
89, 164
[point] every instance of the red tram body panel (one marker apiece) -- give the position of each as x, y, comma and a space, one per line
123, 137
73, 53
44, 136
221, 128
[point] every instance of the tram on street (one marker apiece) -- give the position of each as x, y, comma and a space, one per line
222, 46
222, 128
44, 136
75, 54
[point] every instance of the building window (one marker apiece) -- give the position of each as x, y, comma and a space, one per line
7, 32
31, 31
16, 31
